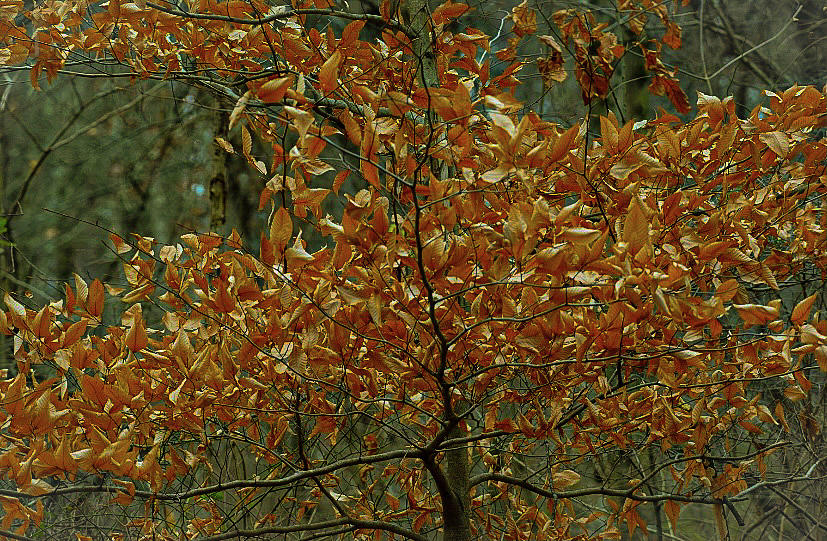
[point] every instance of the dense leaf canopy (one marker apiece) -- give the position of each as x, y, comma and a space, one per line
499, 304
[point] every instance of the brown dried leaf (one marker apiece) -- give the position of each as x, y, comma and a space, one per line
240, 105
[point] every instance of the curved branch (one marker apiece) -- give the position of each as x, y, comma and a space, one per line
238, 484
522, 483
361, 524
765, 42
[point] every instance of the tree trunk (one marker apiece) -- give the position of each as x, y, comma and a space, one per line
417, 16
218, 182
453, 474
457, 511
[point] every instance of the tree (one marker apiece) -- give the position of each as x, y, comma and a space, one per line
499, 304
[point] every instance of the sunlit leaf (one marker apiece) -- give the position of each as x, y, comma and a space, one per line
755, 314
777, 141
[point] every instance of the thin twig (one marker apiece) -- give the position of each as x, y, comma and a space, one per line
763, 43
701, 46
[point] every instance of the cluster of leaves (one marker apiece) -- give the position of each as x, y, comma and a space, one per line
505, 299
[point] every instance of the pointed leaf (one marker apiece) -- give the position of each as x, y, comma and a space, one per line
329, 73
246, 142
565, 479
564, 143
802, 310
136, 338
281, 229
240, 105
121, 246
727, 290
672, 510
95, 302
777, 141
756, 314
636, 227
16, 308
273, 90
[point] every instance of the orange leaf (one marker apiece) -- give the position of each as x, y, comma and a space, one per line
370, 172
329, 73
727, 290
802, 310
351, 33
74, 333
273, 90
281, 229
448, 11
763, 413
794, 393
95, 302
636, 227
420, 520
41, 325
525, 19
820, 353
672, 510
246, 142
296, 255
341, 176
756, 314
93, 390
563, 143
224, 300
120, 245
136, 338
393, 502
579, 235
768, 276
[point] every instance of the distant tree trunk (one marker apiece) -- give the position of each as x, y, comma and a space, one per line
633, 94
218, 182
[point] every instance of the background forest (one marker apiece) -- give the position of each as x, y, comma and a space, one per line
96, 152
98, 143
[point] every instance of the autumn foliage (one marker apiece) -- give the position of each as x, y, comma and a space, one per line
502, 302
